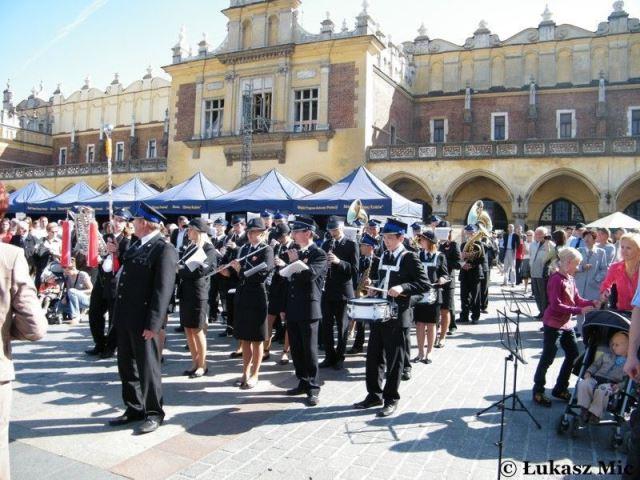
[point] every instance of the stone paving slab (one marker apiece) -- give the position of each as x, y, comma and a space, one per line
63, 399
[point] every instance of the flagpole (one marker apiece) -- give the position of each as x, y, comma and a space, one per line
108, 130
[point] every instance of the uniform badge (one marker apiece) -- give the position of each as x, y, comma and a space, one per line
254, 258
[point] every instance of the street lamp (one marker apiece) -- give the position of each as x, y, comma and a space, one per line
108, 130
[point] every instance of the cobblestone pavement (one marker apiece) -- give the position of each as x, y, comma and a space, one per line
63, 399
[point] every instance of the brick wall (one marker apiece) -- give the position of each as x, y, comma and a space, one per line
392, 107
15, 157
342, 95
185, 112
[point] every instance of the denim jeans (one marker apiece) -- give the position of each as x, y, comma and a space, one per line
569, 344
76, 301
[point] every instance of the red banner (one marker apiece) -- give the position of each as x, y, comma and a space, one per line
92, 253
65, 256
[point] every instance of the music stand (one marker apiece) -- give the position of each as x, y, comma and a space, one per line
510, 339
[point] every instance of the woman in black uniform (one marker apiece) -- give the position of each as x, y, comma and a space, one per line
250, 324
451, 250
193, 292
427, 311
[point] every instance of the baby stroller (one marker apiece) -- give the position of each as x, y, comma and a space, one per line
52, 291
599, 326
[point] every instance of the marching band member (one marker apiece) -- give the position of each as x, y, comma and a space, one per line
450, 249
470, 276
400, 275
342, 258
368, 265
427, 313
302, 311
236, 238
215, 292
103, 293
250, 322
145, 283
194, 295
278, 287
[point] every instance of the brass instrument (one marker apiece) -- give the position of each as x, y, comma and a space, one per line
479, 217
356, 212
362, 290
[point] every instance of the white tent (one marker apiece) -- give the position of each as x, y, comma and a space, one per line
615, 220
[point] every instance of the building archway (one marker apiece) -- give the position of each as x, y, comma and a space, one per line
628, 198
561, 213
466, 190
104, 187
315, 182
412, 189
633, 210
563, 185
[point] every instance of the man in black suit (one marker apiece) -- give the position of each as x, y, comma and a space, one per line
215, 294
179, 238
145, 283
303, 311
471, 274
401, 276
342, 276
368, 265
228, 280
102, 295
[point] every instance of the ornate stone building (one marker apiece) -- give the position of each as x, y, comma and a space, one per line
544, 125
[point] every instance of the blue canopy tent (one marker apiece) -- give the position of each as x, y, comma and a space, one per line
23, 197
188, 197
377, 198
76, 195
271, 191
125, 195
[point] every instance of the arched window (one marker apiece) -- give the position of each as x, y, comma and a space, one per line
272, 30
496, 213
561, 213
247, 34
633, 210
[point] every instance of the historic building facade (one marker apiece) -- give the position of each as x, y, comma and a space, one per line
544, 125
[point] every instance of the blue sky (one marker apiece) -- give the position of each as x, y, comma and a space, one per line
66, 40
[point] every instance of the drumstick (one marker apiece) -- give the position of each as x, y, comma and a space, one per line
382, 290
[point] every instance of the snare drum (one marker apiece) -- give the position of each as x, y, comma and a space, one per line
369, 309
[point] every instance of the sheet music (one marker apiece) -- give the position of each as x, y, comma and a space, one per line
198, 259
258, 268
296, 267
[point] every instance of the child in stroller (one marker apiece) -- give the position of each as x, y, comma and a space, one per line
51, 291
604, 377
604, 331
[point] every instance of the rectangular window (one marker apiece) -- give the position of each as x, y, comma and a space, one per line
499, 126
634, 121
213, 112
438, 132
62, 156
151, 148
566, 123
392, 135
305, 106
262, 112
91, 153
120, 152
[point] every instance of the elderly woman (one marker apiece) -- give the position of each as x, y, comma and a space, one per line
194, 294
623, 274
591, 271
564, 304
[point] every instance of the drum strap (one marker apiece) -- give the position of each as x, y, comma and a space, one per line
388, 269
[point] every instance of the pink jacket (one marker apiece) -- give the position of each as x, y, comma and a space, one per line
564, 301
21, 316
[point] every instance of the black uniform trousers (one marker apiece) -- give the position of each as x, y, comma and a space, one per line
214, 294
99, 306
470, 294
303, 340
358, 342
140, 372
406, 365
386, 348
334, 312
484, 290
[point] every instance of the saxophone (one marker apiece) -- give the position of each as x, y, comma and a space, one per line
361, 291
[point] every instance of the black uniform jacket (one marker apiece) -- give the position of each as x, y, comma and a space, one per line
439, 270
305, 288
263, 256
476, 263
145, 285
194, 285
341, 277
413, 280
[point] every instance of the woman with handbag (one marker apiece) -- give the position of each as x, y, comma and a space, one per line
427, 311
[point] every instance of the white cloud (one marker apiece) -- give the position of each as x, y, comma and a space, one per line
66, 30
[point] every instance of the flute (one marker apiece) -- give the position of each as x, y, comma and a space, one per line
224, 267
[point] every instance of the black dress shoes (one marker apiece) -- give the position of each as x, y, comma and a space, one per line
312, 400
338, 365
126, 418
93, 351
151, 424
325, 364
406, 375
354, 351
296, 391
107, 354
387, 410
367, 403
